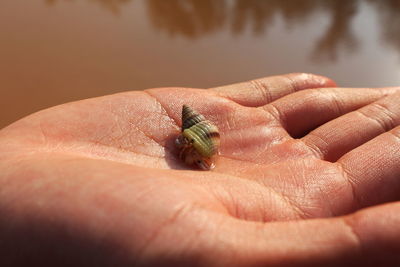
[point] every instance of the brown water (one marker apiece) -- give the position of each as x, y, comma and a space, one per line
55, 51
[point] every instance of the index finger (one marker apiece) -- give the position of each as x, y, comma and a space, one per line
259, 92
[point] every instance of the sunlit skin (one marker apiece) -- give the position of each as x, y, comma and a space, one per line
305, 175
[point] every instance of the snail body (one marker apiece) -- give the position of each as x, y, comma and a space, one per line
199, 140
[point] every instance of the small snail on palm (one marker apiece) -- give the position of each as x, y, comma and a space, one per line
199, 140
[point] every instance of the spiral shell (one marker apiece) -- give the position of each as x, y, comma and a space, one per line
199, 140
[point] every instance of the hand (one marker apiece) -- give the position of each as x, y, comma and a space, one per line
303, 175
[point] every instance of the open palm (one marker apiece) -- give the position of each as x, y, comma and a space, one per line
98, 182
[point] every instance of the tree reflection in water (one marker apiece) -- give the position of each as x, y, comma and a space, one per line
195, 18
338, 34
389, 15
191, 18
112, 5
260, 14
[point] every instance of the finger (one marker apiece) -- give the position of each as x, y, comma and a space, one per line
303, 111
262, 91
370, 237
373, 169
337, 137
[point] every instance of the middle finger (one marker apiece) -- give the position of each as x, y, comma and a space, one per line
303, 111
339, 136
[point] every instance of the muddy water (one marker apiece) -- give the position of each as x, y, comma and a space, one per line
54, 51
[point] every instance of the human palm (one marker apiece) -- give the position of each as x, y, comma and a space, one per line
100, 180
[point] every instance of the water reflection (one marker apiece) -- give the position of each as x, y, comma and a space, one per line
195, 18
112, 5
388, 13
338, 34
191, 18
258, 14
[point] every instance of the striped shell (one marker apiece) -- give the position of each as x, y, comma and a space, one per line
199, 140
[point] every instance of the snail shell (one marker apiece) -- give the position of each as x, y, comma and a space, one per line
199, 140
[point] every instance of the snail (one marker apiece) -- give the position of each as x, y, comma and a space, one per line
199, 140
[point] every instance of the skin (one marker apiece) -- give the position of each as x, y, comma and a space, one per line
308, 174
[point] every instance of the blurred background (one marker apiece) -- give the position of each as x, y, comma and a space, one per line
55, 51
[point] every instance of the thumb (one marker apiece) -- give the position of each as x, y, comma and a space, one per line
368, 237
